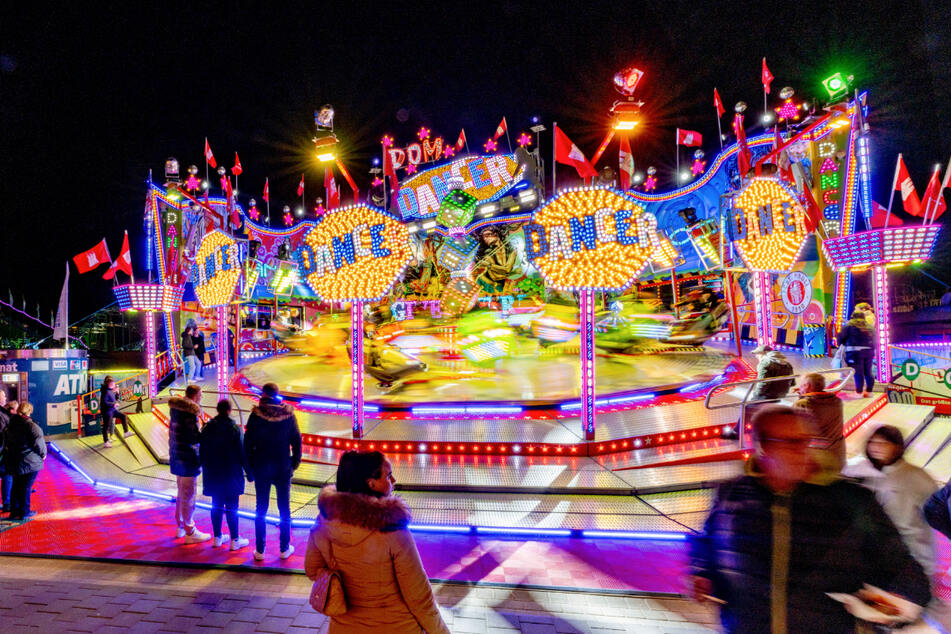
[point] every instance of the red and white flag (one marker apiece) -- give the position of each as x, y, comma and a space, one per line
932, 203
461, 141
813, 215
626, 163
909, 197
744, 158
237, 170
501, 129
267, 192
209, 157
879, 214
718, 104
689, 138
88, 260
123, 262
300, 187
767, 77
333, 192
567, 153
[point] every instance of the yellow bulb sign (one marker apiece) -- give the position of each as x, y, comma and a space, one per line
767, 225
217, 269
354, 254
591, 239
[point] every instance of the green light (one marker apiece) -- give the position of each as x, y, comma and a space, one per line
835, 85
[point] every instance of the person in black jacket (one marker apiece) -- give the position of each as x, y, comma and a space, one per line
221, 451
856, 336
108, 404
183, 440
272, 445
24, 451
188, 353
198, 338
782, 536
6, 481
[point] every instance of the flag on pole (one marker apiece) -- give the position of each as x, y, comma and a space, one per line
61, 324
909, 197
89, 260
501, 129
744, 157
688, 138
718, 104
267, 193
813, 215
626, 161
941, 205
333, 192
932, 203
123, 262
209, 157
767, 77
567, 153
879, 214
461, 141
237, 170
300, 187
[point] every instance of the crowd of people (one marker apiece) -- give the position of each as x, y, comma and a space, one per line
22, 453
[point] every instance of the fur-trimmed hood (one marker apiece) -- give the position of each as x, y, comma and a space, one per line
272, 411
352, 517
185, 405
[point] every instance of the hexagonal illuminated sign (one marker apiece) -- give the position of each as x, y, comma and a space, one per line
354, 254
217, 269
767, 225
591, 238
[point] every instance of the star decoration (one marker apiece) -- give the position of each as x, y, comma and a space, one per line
788, 111
698, 167
524, 139
377, 181
650, 183
387, 141
192, 184
319, 210
449, 151
491, 145
410, 169
423, 133
288, 219
254, 213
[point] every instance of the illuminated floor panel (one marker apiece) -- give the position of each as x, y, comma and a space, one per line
566, 431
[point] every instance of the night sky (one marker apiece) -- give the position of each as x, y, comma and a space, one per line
90, 101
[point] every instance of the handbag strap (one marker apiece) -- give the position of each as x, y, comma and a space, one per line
332, 562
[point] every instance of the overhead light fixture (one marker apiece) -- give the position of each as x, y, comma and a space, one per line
624, 125
325, 157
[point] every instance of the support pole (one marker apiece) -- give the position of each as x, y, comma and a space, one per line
356, 366
882, 309
586, 305
764, 311
151, 352
221, 351
674, 289
734, 315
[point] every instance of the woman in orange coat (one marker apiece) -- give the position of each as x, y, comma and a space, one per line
362, 529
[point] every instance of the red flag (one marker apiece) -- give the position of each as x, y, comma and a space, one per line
333, 192
783, 163
718, 104
209, 157
267, 193
932, 203
88, 260
688, 138
626, 160
744, 157
813, 215
300, 188
123, 262
237, 170
879, 213
941, 205
501, 129
909, 197
567, 153
767, 77
461, 141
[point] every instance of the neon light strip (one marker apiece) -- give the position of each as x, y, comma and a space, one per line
586, 298
221, 354
882, 311
150, 353
356, 366
764, 313
865, 177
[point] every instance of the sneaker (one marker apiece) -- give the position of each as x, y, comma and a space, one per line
129, 433
108, 444
240, 542
287, 553
258, 556
196, 537
221, 539
180, 532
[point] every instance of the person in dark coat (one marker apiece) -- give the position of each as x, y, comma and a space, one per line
826, 410
937, 510
198, 338
221, 451
272, 445
780, 537
6, 481
108, 406
856, 336
183, 440
188, 353
771, 363
24, 451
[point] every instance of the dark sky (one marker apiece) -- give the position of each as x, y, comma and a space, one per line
91, 99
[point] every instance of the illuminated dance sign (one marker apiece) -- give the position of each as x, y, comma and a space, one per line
354, 253
592, 238
767, 225
481, 177
216, 270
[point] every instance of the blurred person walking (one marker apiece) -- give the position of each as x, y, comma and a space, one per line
24, 450
183, 440
108, 407
221, 451
826, 410
362, 533
198, 339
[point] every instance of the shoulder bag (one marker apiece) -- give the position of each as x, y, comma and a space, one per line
327, 596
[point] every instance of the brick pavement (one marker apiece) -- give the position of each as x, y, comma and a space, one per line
77, 596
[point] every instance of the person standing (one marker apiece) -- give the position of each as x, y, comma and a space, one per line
6, 481
198, 339
24, 452
183, 440
826, 410
188, 353
221, 451
856, 336
272, 445
108, 403
362, 531
780, 537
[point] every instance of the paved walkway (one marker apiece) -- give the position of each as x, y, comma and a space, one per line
76, 596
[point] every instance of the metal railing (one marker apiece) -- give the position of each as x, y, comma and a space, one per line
236, 406
846, 374
125, 389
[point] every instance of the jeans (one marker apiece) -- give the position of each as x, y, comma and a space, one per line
185, 502
228, 507
6, 486
191, 367
861, 362
262, 489
20, 495
109, 426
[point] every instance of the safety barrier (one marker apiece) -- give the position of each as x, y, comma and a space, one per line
129, 389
